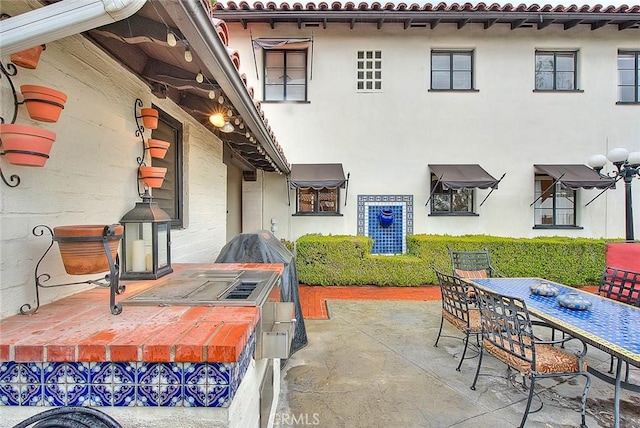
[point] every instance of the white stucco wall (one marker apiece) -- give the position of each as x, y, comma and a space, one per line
385, 140
91, 175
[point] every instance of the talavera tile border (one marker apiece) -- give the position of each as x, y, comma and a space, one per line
111, 384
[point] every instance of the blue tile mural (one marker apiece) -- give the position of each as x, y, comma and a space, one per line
98, 384
388, 238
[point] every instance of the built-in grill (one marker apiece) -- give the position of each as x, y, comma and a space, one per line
203, 287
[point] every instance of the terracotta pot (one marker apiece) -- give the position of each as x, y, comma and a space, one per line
152, 176
157, 148
27, 58
44, 104
149, 117
26, 145
86, 257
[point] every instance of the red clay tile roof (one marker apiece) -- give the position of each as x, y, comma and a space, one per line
520, 15
442, 6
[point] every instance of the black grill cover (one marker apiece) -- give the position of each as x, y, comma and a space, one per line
264, 247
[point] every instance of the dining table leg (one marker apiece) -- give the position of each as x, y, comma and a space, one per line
616, 395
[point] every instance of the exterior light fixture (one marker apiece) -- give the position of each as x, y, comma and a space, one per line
217, 119
146, 243
199, 77
627, 167
171, 39
212, 94
187, 54
228, 127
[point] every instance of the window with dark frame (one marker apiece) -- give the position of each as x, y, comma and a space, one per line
555, 205
629, 77
555, 71
450, 201
169, 196
369, 71
451, 70
318, 201
285, 75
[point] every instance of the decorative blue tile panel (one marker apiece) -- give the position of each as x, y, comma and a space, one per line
123, 395
387, 240
31, 395
9, 373
102, 395
9, 394
123, 384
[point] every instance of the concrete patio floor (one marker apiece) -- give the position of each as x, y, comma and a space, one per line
373, 364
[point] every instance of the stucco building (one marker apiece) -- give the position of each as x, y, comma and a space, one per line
410, 99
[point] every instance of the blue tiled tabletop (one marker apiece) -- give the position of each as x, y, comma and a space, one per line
609, 325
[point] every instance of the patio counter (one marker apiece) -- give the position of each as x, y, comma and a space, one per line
74, 352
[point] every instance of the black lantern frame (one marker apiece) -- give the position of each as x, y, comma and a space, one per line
146, 243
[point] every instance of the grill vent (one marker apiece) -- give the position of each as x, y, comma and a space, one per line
242, 291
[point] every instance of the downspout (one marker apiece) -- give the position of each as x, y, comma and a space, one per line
58, 20
196, 25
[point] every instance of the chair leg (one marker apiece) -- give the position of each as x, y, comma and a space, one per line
464, 351
526, 411
475, 379
583, 402
439, 332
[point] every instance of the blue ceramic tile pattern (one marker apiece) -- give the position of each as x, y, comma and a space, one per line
123, 384
387, 240
607, 323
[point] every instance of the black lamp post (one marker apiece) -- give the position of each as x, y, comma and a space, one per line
628, 167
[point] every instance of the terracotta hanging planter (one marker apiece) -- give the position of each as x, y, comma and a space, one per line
152, 176
82, 249
157, 148
44, 104
28, 58
26, 145
149, 117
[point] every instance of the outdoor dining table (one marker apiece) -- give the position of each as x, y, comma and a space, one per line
608, 325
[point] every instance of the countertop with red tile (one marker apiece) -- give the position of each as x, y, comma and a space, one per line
81, 328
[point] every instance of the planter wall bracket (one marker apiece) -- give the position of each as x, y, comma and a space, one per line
140, 128
9, 71
110, 280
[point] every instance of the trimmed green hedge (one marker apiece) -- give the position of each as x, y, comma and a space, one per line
347, 260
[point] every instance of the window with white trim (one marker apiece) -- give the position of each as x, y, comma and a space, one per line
369, 71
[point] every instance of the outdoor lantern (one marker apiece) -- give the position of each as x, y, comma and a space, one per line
146, 244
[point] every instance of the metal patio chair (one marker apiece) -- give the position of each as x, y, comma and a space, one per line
472, 264
621, 285
507, 334
455, 309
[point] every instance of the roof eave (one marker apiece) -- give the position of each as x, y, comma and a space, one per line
195, 24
